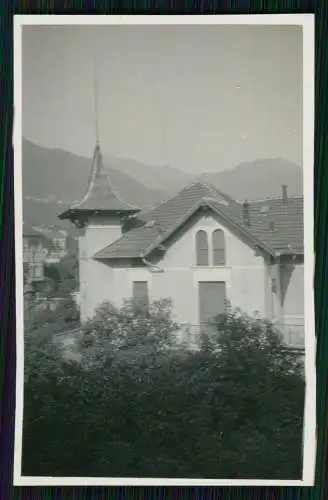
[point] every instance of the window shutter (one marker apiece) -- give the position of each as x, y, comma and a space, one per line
140, 294
201, 248
218, 248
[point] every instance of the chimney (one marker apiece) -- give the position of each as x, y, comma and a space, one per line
284, 193
246, 217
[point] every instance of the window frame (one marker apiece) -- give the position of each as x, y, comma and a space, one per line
215, 248
138, 301
201, 252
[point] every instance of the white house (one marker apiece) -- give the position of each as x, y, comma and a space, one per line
200, 248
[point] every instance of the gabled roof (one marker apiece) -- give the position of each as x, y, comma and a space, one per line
279, 223
159, 223
100, 196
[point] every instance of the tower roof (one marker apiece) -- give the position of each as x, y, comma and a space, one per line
100, 196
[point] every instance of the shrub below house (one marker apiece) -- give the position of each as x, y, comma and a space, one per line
47, 313
133, 407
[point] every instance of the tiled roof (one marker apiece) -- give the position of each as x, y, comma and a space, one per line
31, 232
279, 223
275, 225
100, 196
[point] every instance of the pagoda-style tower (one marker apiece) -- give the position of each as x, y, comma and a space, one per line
99, 217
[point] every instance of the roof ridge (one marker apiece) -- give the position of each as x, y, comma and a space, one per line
193, 182
178, 222
209, 198
258, 232
168, 198
272, 198
217, 191
145, 211
189, 213
214, 190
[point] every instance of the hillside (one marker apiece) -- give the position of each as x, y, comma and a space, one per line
258, 179
160, 178
251, 180
54, 174
53, 179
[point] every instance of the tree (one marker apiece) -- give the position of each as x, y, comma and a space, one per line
48, 321
262, 384
130, 332
64, 274
140, 405
51, 272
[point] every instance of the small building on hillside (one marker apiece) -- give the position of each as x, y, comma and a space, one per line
34, 255
199, 248
55, 242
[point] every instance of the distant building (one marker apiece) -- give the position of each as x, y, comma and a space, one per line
200, 248
76, 297
34, 254
56, 245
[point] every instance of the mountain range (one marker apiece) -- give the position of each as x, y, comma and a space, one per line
53, 179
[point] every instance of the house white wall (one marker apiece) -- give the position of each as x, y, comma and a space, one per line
292, 297
292, 276
245, 272
96, 279
276, 311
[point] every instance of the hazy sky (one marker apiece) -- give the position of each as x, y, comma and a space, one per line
199, 98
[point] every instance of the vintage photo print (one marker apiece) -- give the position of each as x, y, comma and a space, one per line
164, 250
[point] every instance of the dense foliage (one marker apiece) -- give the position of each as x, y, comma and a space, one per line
44, 320
137, 406
64, 274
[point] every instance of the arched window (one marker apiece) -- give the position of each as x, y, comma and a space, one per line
218, 248
201, 249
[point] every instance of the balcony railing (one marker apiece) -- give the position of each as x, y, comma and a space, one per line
292, 335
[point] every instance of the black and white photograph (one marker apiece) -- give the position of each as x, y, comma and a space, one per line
164, 250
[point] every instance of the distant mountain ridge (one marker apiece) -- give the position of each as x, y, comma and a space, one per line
159, 178
53, 179
258, 179
54, 174
251, 180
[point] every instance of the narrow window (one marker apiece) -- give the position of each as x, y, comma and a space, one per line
218, 248
201, 248
140, 294
34, 271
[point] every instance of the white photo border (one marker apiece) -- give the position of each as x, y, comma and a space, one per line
306, 22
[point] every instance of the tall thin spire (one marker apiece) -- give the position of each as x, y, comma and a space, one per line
100, 197
95, 76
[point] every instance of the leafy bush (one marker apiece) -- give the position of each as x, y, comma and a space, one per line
135, 406
130, 332
41, 317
